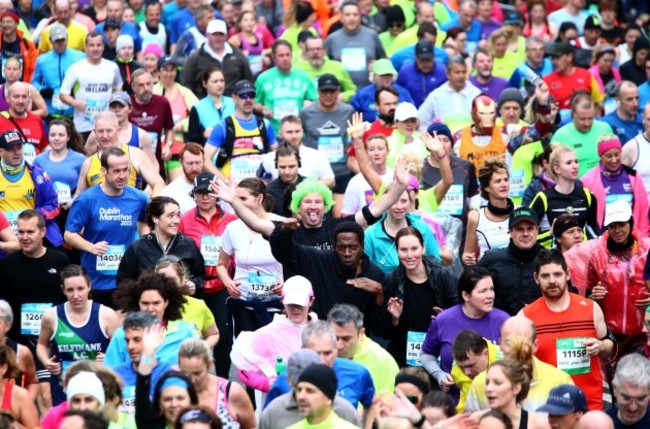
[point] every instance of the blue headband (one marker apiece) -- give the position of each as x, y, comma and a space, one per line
174, 381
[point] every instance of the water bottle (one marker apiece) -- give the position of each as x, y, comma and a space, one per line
529, 75
280, 365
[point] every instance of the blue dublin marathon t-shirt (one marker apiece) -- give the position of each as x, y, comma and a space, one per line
113, 219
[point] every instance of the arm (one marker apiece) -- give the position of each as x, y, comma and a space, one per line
110, 320
149, 173
232, 287
228, 194
211, 335
27, 414
383, 203
240, 404
82, 184
78, 242
70, 101
145, 416
28, 368
146, 146
438, 153
43, 346
91, 146
38, 102
8, 241
471, 243
602, 345
630, 154
195, 131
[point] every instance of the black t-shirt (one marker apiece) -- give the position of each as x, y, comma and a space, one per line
26, 280
323, 237
614, 36
419, 301
277, 189
11, 49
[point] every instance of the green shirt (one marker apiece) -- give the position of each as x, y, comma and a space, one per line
521, 169
348, 88
284, 94
585, 145
331, 422
379, 363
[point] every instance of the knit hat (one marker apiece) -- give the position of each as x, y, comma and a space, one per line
86, 383
394, 14
510, 94
122, 41
441, 129
300, 360
153, 48
606, 145
321, 376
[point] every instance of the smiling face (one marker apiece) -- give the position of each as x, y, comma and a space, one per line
167, 223
398, 210
58, 137
611, 159
619, 231
172, 400
410, 251
524, 234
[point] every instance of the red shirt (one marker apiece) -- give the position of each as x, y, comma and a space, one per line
29, 127
563, 86
155, 118
376, 127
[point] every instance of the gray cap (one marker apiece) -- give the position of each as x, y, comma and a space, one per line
58, 32
299, 361
120, 97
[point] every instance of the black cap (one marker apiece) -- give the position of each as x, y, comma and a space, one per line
593, 23
10, 138
243, 87
559, 48
520, 214
202, 182
170, 60
304, 35
111, 23
328, 81
424, 50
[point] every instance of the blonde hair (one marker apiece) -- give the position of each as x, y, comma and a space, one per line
606, 137
554, 158
518, 369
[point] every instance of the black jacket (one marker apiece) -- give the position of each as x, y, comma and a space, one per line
514, 285
146, 252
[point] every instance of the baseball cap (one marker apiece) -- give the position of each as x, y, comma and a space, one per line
405, 111
9, 139
383, 66
559, 48
202, 182
424, 50
592, 23
111, 23
216, 26
297, 290
520, 214
58, 32
120, 97
170, 59
300, 360
564, 399
618, 211
243, 87
328, 81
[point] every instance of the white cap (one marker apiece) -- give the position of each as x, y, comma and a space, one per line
405, 111
618, 211
86, 383
216, 26
297, 290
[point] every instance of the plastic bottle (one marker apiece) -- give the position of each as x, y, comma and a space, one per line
529, 75
280, 365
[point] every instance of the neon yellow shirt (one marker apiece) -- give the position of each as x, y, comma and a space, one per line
76, 38
331, 422
464, 382
379, 363
197, 314
348, 88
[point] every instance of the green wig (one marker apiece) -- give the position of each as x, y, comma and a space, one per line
311, 186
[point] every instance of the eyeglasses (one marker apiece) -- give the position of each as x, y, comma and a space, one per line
639, 400
193, 416
247, 96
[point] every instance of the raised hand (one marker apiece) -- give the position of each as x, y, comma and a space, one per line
222, 190
401, 171
152, 338
433, 145
395, 307
357, 127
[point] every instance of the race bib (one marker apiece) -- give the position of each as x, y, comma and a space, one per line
332, 147
29, 152
354, 59
93, 107
517, 183
572, 356
452, 204
109, 262
128, 400
244, 166
260, 285
30, 317
154, 140
414, 341
12, 218
612, 198
257, 63
210, 247
63, 192
282, 108
56, 101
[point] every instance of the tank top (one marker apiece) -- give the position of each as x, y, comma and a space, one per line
247, 150
642, 163
560, 336
148, 37
477, 154
16, 197
94, 175
135, 137
255, 58
491, 234
523, 420
6, 396
71, 343
228, 421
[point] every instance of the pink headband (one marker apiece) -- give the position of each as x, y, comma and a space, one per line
606, 145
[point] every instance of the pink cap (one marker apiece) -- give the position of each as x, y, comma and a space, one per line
153, 48
413, 184
606, 145
297, 290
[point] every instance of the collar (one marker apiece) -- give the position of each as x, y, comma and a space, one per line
227, 50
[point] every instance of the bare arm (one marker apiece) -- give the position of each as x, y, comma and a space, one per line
469, 253
356, 128
110, 320
149, 172
241, 406
28, 368
383, 203
8, 241
208, 165
70, 101
91, 146
146, 146
629, 154
605, 346
228, 194
38, 103
211, 335
43, 346
82, 185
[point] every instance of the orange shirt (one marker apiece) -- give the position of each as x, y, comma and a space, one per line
477, 154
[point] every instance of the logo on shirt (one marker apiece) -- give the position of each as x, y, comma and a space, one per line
52, 271
329, 129
114, 214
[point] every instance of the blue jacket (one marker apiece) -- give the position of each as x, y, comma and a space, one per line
49, 72
364, 100
127, 28
419, 84
407, 55
381, 250
47, 203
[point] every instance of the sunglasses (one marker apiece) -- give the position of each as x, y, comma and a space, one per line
167, 258
396, 25
247, 96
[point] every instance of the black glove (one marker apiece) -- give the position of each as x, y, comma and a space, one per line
47, 92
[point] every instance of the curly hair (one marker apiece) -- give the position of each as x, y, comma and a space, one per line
490, 167
311, 186
129, 292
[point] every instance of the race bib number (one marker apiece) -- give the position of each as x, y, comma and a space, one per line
414, 341
354, 59
517, 184
572, 356
63, 192
244, 166
282, 108
128, 401
93, 107
154, 140
257, 63
612, 198
56, 101
452, 204
260, 285
210, 247
12, 218
332, 147
29, 152
30, 317
110, 261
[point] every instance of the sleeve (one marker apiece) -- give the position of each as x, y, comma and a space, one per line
473, 188
173, 30
270, 132
128, 268
596, 93
476, 399
430, 243
117, 80
280, 387
254, 380
195, 130
226, 240
592, 227
145, 416
189, 72
217, 136
281, 246
348, 88
69, 80
142, 217
431, 343
247, 74
78, 216
368, 392
169, 118
426, 112
197, 269
47, 201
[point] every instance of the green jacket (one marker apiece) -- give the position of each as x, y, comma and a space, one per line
348, 88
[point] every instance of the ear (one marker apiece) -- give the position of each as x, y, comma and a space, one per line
536, 278
517, 388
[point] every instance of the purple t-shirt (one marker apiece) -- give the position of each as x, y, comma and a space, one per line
444, 328
617, 186
493, 88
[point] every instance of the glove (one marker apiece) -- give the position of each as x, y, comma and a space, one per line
47, 92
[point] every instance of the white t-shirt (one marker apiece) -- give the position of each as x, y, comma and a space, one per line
255, 269
179, 190
313, 164
359, 193
93, 84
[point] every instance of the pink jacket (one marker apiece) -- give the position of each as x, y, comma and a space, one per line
640, 205
596, 74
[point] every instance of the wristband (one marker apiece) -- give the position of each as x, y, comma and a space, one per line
420, 422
